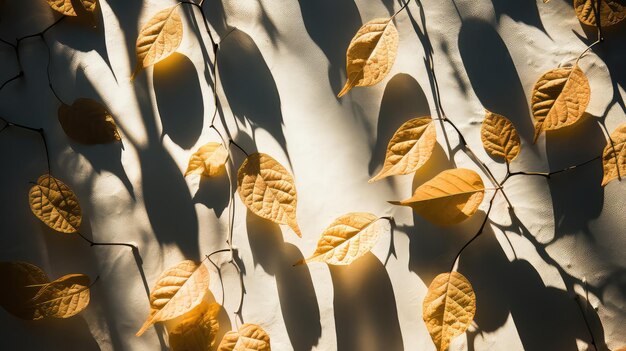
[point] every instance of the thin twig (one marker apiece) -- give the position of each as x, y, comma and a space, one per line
39, 131
93, 243
549, 174
402, 8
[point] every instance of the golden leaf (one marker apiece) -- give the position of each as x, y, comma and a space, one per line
371, 54
409, 148
559, 99
177, 291
449, 308
268, 190
62, 6
55, 204
250, 337
614, 160
88, 122
21, 281
611, 12
499, 137
61, 298
450, 197
89, 5
158, 38
198, 329
209, 160
346, 239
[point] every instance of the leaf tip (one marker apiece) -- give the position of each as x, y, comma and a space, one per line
345, 90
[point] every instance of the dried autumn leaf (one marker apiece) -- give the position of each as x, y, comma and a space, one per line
450, 197
250, 337
158, 38
371, 54
499, 137
409, 148
88, 122
611, 12
268, 190
63, 6
61, 298
21, 282
89, 5
559, 98
347, 238
614, 156
55, 204
198, 329
209, 160
177, 291
449, 308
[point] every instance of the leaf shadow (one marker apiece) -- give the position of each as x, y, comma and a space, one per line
298, 302
525, 11
214, 193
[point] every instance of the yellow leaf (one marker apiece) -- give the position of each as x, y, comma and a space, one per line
611, 12
198, 329
250, 337
158, 38
559, 99
449, 308
371, 54
347, 238
88, 122
20, 283
614, 160
450, 197
62, 6
55, 204
61, 298
177, 291
89, 5
409, 148
546, 1
209, 160
499, 137
268, 190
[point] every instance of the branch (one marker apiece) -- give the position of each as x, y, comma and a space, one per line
39, 131
549, 174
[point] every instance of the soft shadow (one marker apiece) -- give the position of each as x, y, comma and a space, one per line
296, 293
341, 19
403, 99
179, 99
366, 315
213, 193
493, 75
524, 11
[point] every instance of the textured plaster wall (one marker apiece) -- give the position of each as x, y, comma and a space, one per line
280, 70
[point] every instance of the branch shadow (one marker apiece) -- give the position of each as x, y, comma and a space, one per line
296, 293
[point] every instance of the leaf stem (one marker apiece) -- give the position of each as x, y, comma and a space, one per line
400, 10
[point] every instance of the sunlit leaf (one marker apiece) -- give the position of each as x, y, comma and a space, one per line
21, 281
55, 204
209, 160
449, 308
268, 190
177, 291
348, 238
614, 156
450, 197
559, 99
198, 329
611, 12
88, 122
371, 54
61, 298
499, 137
409, 148
250, 337
89, 5
158, 38
62, 6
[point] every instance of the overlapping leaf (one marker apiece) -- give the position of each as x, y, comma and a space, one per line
88, 122
450, 197
209, 160
159, 38
559, 99
371, 54
61, 298
449, 308
177, 291
499, 137
409, 148
268, 190
611, 12
348, 238
55, 204
67, 8
250, 337
198, 329
20, 283
614, 156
